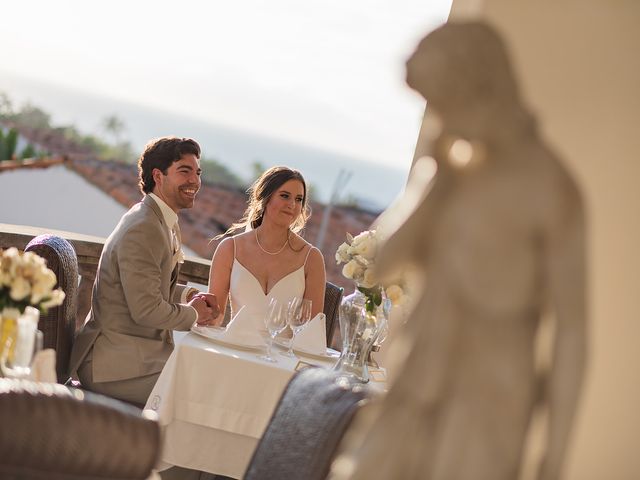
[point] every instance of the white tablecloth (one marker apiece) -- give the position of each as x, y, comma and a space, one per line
214, 402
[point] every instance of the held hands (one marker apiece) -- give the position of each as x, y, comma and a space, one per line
207, 307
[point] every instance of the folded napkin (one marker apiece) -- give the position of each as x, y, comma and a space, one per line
43, 367
245, 327
313, 337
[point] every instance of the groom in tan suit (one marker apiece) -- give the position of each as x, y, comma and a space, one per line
136, 303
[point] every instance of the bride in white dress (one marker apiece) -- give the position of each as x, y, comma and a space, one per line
269, 259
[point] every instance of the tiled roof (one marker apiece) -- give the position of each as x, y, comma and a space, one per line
51, 140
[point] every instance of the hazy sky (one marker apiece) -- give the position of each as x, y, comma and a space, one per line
325, 73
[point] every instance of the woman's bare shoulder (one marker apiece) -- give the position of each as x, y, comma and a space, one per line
298, 243
301, 245
244, 236
224, 249
230, 245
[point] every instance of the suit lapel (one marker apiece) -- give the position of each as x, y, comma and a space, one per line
150, 202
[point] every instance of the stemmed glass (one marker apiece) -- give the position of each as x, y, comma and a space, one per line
275, 321
298, 315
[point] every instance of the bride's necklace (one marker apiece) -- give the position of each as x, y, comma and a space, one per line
271, 253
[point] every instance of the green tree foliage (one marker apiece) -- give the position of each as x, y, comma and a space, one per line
215, 172
123, 152
28, 152
10, 143
114, 126
2, 147
32, 116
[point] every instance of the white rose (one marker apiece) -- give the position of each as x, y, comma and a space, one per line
353, 270
20, 288
57, 297
361, 237
341, 254
368, 278
395, 294
35, 259
12, 252
46, 278
38, 292
367, 248
10, 260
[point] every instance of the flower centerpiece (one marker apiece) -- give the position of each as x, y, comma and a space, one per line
364, 314
26, 289
358, 254
25, 281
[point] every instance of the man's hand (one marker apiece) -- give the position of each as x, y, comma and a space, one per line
207, 307
212, 302
205, 313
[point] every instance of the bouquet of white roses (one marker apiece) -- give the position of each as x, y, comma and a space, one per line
26, 281
358, 254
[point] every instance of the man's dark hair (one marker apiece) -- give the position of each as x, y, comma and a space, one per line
161, 153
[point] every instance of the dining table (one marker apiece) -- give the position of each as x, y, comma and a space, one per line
214, 399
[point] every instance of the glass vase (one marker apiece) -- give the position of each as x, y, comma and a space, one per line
361, 322
18, 334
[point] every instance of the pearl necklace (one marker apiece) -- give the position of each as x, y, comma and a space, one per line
272, 253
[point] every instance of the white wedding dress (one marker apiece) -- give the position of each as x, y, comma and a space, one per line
246, 291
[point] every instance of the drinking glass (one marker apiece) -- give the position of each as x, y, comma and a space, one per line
298, 315
20, 349
275, 321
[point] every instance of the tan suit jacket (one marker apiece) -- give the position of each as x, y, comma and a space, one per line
135, 301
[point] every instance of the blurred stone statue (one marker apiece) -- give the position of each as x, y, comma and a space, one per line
499, 234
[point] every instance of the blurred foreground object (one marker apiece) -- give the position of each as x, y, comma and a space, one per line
50, 431
498, 233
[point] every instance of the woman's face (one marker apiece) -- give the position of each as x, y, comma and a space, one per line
285, 205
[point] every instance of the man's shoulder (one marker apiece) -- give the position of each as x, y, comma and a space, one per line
140, 216
139, 221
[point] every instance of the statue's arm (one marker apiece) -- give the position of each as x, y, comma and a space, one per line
566, 278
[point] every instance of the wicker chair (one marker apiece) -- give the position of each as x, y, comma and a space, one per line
52, 432
58, 324
312, 416
332, 298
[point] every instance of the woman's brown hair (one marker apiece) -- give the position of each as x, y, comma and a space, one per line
260, 193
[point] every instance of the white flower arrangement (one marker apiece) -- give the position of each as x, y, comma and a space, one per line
26, 281
359, 254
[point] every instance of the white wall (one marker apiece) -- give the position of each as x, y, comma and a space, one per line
56, 198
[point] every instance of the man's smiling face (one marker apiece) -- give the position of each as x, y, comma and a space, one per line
178, 187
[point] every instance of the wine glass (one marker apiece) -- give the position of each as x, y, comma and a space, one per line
298, 315
20, 349
275, 321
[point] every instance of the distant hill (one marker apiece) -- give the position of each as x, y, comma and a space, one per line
375, 184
